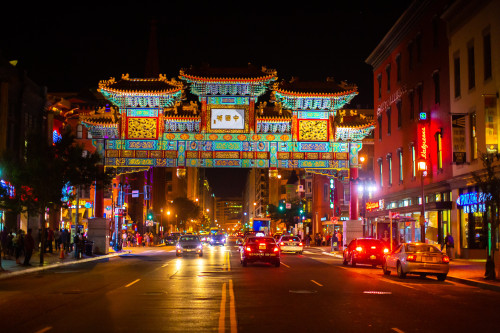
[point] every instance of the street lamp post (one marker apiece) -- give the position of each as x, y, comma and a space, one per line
422, 167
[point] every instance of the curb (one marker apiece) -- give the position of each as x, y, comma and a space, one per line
8, 274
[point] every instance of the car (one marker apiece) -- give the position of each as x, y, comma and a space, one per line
170, 240
289, 243
189, 244
368, 251
417, 258
277, 236
263, 249
219, 239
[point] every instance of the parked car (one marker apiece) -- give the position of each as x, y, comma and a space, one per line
189, 244
170, 240
262, 249
417, 258
368, 251
289, 243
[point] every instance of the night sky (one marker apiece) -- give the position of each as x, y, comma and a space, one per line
69, 49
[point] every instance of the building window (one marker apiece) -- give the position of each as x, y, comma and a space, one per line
400, 160
411, 100
420, 97
398, 67
471, 65
389, 161
388, 72
487, 55
388, 121
413, 161
79, 131
381, 172
473, 134
379, 80
398, 107
379, 119
437, 90
418, 41
410, 56
456, 71
439, 146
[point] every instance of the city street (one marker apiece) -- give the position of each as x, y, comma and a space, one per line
151, 290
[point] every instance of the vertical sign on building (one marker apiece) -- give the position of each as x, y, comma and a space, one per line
459, 145
423, 135
491, 123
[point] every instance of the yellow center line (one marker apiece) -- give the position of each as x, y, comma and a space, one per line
228, 261
131, 283
45, 329
319, 284
285, 265
222, 316
232, 308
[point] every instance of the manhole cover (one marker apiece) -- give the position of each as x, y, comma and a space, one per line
303, 291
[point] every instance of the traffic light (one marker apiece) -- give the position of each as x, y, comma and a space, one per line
149, 216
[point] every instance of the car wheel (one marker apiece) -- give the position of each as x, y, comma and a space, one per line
244, 262
384, 268
177, 254
353, 262
401, 274
441, 277
300, 252
344, 262
277, 263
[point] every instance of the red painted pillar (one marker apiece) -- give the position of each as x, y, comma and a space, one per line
99, 196
353, 203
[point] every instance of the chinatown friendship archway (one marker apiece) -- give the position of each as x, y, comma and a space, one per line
293, 125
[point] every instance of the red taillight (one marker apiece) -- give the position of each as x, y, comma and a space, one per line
248, 249
411, 257
282, 243
359, 249
300, 244
276, 249
446, 259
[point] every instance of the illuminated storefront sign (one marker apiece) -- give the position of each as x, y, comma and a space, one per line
228, 119
473, 202
423, 135
372, 205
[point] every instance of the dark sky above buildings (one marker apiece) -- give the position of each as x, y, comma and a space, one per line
70, 48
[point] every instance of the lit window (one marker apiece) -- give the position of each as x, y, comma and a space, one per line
400, 157
79, 131
381, 173
413, 162
439, 142
389, 160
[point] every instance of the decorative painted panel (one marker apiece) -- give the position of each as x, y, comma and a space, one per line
142, 128
313, 130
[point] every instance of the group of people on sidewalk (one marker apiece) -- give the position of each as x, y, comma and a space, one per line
17, 245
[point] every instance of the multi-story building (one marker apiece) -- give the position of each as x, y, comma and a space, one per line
228, 212
474, 67
412, 105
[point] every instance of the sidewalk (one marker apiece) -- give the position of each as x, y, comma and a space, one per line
50, 260
465, 271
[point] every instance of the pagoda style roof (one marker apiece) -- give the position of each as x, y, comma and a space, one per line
101, 118
151, 86
207, 74
328, 88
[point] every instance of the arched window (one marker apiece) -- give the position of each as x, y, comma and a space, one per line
79, 131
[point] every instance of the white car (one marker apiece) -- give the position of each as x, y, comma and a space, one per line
291, 244
417, 258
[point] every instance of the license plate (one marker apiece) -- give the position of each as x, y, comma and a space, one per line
428, 259
373, 257
262, 246
189, 250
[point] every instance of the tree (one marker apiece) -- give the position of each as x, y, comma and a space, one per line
39, 178
185, 209
489, 183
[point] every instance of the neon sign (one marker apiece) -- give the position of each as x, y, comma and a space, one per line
372, 205
473, 202
423, 142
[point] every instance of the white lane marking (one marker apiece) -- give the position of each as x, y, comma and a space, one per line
131, 283
285, 265
397, 330
45, 329
319, 284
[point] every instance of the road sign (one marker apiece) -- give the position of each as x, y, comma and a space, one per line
135, 193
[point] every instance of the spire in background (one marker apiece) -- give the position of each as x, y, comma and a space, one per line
152, 59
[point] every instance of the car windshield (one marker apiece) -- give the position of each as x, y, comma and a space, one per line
290, 239
421, 248
253, 240
188, 238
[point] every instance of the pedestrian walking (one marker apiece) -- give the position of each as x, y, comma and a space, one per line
29, 246
19, 246
334, 243
57, 238
450, 244
4, 238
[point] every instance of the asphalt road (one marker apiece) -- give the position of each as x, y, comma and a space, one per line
154, 291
